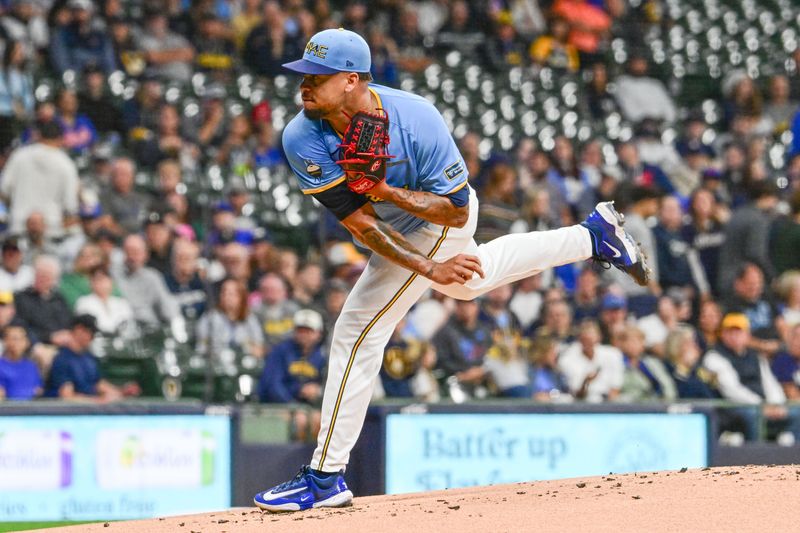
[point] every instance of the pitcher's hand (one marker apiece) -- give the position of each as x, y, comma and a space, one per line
458, 269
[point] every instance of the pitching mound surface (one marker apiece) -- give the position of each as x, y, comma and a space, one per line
752, 498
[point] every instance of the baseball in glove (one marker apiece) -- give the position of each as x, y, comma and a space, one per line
363, 151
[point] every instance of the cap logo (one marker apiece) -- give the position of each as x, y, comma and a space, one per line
317, 50
349, 63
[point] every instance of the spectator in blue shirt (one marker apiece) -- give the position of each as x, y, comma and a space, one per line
80, 43
75, 374
19, 376
548, 383
293, 370
293, 373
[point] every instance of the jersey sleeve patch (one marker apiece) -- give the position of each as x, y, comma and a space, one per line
454, 170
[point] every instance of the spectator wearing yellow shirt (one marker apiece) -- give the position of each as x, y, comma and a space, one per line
553, 50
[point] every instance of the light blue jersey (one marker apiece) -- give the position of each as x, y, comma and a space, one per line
426, 157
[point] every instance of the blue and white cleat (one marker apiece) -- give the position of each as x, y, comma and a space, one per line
309, 489
611, 243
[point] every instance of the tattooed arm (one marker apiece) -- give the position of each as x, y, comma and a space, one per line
426, 205
384, 240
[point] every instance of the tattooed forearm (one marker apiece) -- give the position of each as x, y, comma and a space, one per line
387, 242
428, 206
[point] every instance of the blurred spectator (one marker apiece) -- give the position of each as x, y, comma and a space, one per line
41, 177
111, 312
785, 238
184, 281
786, 365
269, 44
547, 381
742, 97
503, 47
498, 209
506, 365
460, 31
16, 94
159, 238
553, 50
144, 288
41, 308
406, 369
96, 105
640, 97
557, 321
692, 139
708, 322
646, 378
237, 147
748, 298
294, 369
35, 241
588, 23
307, 289
168, 55
15, 275
275, 309
140, 114
230, 326
613, 316
384, 57
787, 288
79, 132
586, 298
19, 376
216, 52
595, 372
743, 375
704, 232
212, 127
267, 151
600, 101
526, 302
24, 22
244, 21
644, 202
461, 346
124, 39
673, 308
76, 374
678, 263
81, 42
779, 109
636, 173
76, 283
412, 47
682, 355
572, 182
126, 207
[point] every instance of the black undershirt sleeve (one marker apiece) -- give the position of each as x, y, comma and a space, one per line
340, 200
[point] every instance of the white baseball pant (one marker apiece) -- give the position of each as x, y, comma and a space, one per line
385, 292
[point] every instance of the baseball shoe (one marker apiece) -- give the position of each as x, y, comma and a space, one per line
309, 489
612, 244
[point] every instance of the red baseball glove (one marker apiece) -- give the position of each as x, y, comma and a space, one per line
363, 155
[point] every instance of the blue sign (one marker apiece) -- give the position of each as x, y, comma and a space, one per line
112, 467
438, 451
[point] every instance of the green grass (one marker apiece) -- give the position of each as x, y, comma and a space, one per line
25, 526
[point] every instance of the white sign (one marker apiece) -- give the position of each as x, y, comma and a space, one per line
35, 459
154, 458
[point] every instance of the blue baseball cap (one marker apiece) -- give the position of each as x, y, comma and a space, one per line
332, 51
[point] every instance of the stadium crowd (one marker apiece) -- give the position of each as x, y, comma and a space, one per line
89, 250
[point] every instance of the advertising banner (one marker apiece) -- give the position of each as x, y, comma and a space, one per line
438, 451
112, 467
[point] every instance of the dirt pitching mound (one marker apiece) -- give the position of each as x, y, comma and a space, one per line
750, 498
